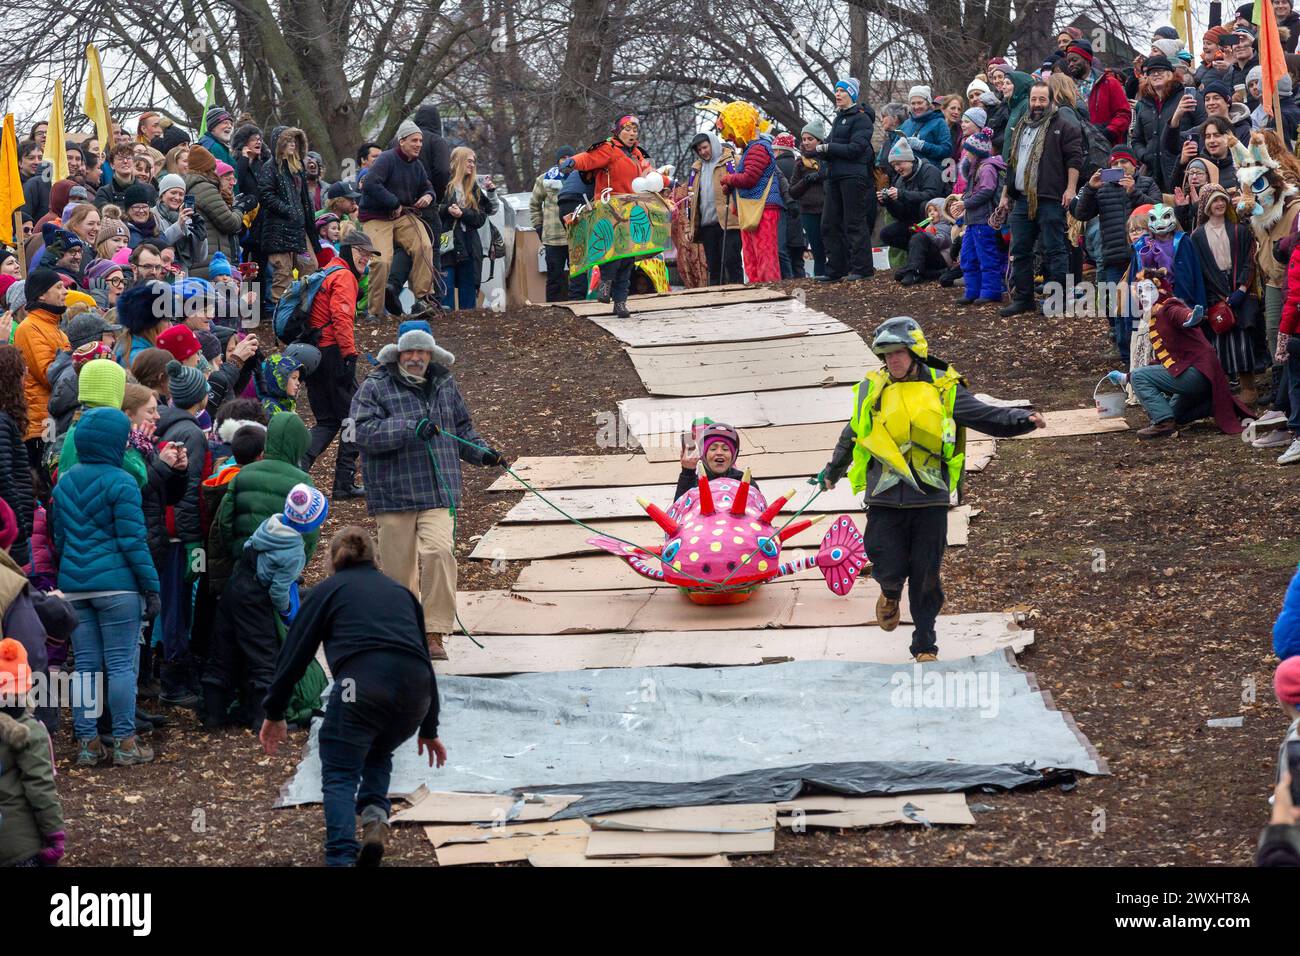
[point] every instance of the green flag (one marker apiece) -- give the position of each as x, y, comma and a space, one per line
207, 103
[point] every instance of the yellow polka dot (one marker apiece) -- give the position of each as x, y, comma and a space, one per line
695, 539
721, 521
718, 531
738, 528
745, 559
756, 526
677, 565
716, 546
695, 555
737, 540
698, 527
762, 565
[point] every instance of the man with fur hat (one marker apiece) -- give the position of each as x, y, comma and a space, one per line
412, 470
394, 194
286, 217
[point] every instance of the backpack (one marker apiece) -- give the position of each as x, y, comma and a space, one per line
1096, 151
293, 312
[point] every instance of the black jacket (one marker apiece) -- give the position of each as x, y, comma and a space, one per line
164, 488
467, 245
112, 192
1112, 204
36, 193
286, 211
435, 154
925, 183
848, 149
339, 615
1062, 152
175, 424
1147, 136
808, 186
688, 480
785, 163
1279, 845
16, 485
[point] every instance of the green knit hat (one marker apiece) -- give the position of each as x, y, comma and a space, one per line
101, 384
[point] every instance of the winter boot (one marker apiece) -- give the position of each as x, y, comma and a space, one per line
374, 835
620, 310
437, 650
888, 613
129, 751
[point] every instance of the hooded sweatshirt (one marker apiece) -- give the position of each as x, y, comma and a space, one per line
280, 558
708, 204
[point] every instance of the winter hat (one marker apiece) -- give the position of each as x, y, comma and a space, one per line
223, 169
122, 257
408, 128
1286, 681
201, 161
15, 674
215, 116
850, 85
901, 151
170, 181
1159, 62
784, 141
1121, 152
564, 152
210, 344
1000, 63
1254, 74
39, 282
101, 384
976, 115
978, 85
5, 282
1219, 88
624, 120
88, 352
276, 371
58, 240
139, 193
418, 324
979, 143
219, 266
8, 526
186, 384
1285, 85
142, 307
102, 269
989, 100
242, 134
817, 129
305, 508
16, 296
420, 339
77, 297
922, 91
181, 341
725, 439
1081, 47
1166, 33
87, 327
1168, 47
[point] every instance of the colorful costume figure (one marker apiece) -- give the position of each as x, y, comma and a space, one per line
720, 544
1169, 248
755, 189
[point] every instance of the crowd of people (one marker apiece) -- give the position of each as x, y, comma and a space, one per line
168, 300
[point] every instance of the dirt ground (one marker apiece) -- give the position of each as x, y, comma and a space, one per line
1199, 541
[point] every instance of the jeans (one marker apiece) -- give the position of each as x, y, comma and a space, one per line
105, 642
722, 253
1113, 304
848, 218
812, 228
390, 697
462, 285
1154, 384
177, 596
907, 544
1049, 225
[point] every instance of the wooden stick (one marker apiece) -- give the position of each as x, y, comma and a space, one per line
1277, 118
19, 246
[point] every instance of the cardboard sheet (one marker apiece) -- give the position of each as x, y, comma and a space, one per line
729, 818
853, 812
607, 471
796, 406
603, 843
959, 635
443, 836
771, 439
684, 299
507, 851
444, 807
590, 504
1072, 421
554, 859
725, 325
556, 612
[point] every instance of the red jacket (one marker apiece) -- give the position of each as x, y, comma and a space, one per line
1291, 306
333, 311
1109, 108
614, 164
757, 160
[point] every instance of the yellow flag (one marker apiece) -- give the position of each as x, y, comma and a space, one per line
1178, 16
95, 102
56, 151
11, 184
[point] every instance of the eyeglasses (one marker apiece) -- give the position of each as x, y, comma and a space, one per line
115, 280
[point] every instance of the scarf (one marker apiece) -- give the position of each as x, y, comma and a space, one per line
1035, 154
141, 443
1216, 237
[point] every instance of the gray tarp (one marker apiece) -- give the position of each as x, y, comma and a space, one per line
667, 736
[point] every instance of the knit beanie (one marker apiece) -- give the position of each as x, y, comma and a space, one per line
1121, 152
850, 85
101, 384
1081, 47
978, 85
305, 508
1254, 74
186, 384
976, 115
215, 116
39, 282
88, 352
999, 63
16, 296
1159, 62
219, 266
223, 168
817, 129
726, 440
1168, 47
407, 128
1219, 88
564, 152
418, 324
170, 181
139, 193
201, 161
922, 91
15, 674
979, 143
901, 151
181, 341
1286, 681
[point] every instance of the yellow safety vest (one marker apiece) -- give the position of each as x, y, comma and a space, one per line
917, 436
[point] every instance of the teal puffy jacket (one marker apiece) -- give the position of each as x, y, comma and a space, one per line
99, 530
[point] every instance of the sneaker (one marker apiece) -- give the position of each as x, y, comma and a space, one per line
437, 651
1268, 421
887, 613
1291, 455
620, 310
1165, 429
1277, 438
928, 657
129, 752
91, 752
1272, 415
374, 837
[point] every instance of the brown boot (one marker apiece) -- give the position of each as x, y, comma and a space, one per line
374, 838
1165, 429
437, 652
887, 613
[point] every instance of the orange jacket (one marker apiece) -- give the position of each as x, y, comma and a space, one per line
333, 311
40, 339
615, 166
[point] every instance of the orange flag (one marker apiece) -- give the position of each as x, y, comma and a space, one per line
1272, 61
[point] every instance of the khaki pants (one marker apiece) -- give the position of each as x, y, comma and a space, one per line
282, 266
409, 231
416, 549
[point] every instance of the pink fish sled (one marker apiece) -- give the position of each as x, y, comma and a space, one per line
720, 545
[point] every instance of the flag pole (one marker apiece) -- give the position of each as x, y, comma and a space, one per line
19, 246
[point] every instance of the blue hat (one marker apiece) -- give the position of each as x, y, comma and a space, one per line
305, 508
219, 266
419, 325
851, 86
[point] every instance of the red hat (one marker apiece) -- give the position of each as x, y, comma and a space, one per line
1001, 62
181, 341
784, 140
1286, 681
15, 674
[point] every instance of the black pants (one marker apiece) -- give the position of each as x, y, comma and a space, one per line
390, 696
330, 389
924, 257
897, 235
848, 219
906, 544
244, 646
722, 253
557, 273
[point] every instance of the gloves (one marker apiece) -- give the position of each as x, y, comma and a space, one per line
426, 429
493, 458
294, 603
568, 166
1283, 338
822, 479
53, 851
1236, 299
1117, 378
1197, 315
195, 560
915, 142
152, 605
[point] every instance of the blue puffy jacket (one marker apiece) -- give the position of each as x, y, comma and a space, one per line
99, 530
932, 128
1286, 631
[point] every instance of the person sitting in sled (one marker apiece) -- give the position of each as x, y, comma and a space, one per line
717, 446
